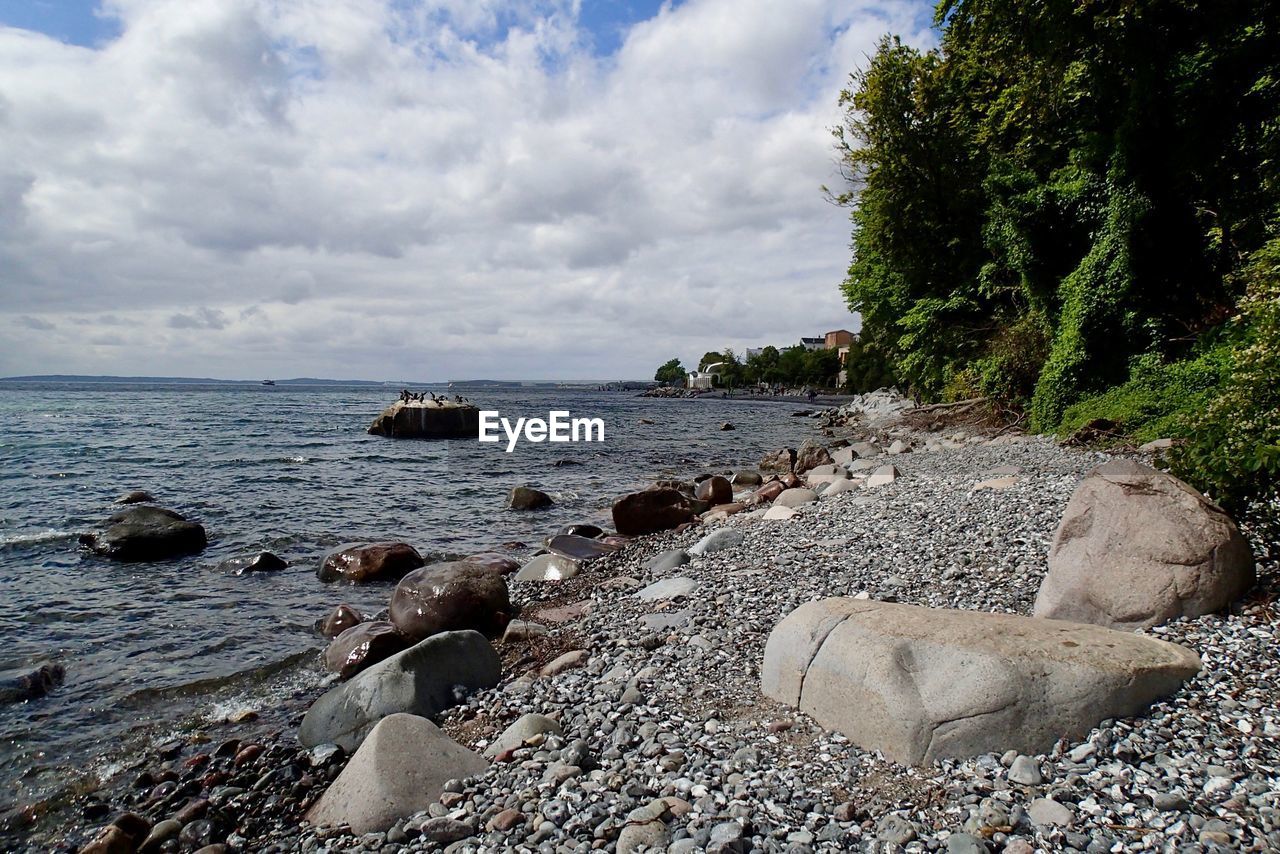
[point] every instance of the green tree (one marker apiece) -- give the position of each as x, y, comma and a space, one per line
671, 373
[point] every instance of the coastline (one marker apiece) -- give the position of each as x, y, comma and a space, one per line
669, 705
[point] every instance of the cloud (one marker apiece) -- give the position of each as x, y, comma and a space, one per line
35, 323
363, 187
201, 318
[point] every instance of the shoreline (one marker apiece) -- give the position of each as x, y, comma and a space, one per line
647, 676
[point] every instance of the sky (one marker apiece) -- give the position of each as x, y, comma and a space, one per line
421, 189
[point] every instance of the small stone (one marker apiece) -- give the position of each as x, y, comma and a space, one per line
1046, 811
964, 843
1025, 771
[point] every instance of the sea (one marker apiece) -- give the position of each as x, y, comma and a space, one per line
157, 651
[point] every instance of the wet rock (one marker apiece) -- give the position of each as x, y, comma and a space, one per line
399, 770
136, 497
146, 533
582, 529
369, 562
363, 645
747, 478
919, 684
650, 511
714, 490
770, 491
528, 498
493, 562
548, 568
1138, 547
339, 620
425, 680
19, 685
578, 548
261, 562
446, 597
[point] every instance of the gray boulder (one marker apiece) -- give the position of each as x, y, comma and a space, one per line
722, 538
548, 567
142, 532
668, 588
523, 729
1138, 547
920, 684
401, 769
795, 497
667, 560
425, 679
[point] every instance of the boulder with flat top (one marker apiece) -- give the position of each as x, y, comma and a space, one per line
444, 419
362, 562
920, 684
142, 532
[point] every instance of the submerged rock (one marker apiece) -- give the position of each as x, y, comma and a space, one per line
146, 533
138, 496
369, 562
17, 685
261, 562
528, 498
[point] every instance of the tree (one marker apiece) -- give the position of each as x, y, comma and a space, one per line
708, 359
671, 373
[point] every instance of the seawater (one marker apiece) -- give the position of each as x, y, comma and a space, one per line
156, 649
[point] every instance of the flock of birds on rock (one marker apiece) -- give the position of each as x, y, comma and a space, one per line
407, 396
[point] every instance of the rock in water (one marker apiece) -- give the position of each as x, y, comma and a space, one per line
369, 562
362, 646
401, 768
339, 620
1138, 547
650, 511
583, 529
261, 562
920, 684
146, 533
445, 597
430, 420
136, 497
425, 679
16, 686
528, 498
580, 548
494, 562
715, 490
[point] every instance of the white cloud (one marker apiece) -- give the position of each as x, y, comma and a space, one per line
446, 188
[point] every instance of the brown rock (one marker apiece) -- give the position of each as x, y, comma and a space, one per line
339, 620
811, 455
528, 498
494, 562
770, 491
506, 820
363, 645
715, 490
446, 597
369, 562
780, 461
650, 511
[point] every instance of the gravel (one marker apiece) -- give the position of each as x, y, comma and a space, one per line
667, 740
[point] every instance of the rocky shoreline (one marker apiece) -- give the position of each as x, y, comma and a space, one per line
654, 733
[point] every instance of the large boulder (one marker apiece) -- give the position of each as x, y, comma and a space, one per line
445, 597
494, 562
359, 563
650, 511
1138, 547
429, 420
401, 769
362, 646
425, 679
920, 684
146, 533
811, 455
548, 567
714, 490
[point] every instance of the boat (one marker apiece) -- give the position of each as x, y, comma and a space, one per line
268, 382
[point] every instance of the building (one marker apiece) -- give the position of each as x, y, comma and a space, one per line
839, 338
707, 378
813, 343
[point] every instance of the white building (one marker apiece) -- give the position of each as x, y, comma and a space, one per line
705, 378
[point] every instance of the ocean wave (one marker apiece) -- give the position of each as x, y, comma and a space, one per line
22, 539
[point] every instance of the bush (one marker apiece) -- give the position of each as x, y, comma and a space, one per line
1233, 454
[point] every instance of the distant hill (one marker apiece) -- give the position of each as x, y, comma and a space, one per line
79, 378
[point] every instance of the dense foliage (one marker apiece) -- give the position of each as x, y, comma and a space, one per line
1062, 206
670, 373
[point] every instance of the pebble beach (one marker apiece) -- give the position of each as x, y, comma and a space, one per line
660, 738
